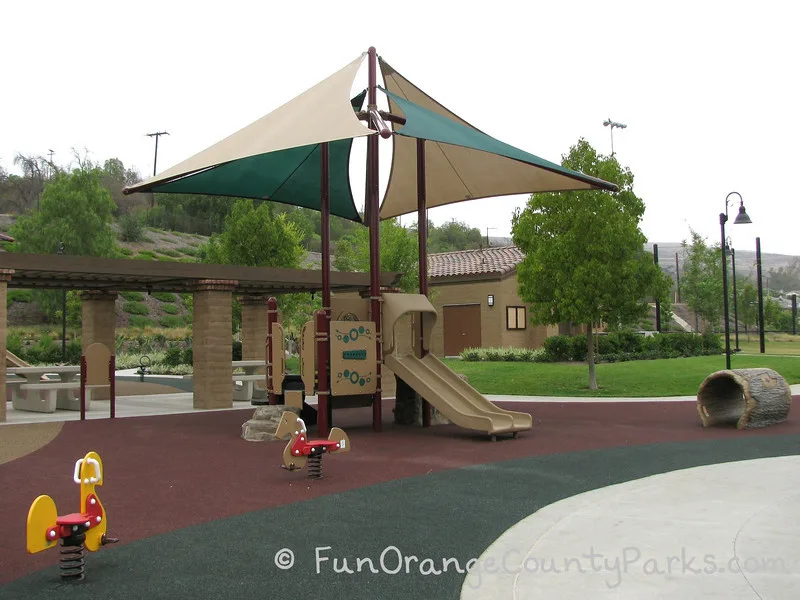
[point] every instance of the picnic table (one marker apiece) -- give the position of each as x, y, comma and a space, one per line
44, 396
248, 390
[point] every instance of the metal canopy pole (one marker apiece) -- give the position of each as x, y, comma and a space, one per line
422, 235
372, 207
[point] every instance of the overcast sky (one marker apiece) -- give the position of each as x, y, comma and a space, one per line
708, 90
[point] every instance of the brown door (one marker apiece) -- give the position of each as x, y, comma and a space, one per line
462, 328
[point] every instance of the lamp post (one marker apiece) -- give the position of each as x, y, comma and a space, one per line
63, 314
741, 219
735, 297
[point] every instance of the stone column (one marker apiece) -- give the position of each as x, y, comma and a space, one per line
212, 344
254, 335
5, 277
98, 324
98, 319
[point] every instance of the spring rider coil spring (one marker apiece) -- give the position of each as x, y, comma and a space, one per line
73, 549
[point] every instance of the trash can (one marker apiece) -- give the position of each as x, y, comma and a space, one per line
746, 398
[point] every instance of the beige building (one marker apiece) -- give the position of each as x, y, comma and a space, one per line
475, 295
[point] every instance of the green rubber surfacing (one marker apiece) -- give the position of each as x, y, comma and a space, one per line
451, 514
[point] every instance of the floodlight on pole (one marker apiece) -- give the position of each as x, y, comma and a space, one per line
609, 123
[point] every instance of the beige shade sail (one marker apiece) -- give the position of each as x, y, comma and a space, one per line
323, 113
461, 162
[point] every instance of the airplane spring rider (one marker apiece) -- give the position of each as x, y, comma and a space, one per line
77, 531
300, 449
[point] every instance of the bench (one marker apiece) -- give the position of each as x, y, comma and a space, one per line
48, 400
245, 393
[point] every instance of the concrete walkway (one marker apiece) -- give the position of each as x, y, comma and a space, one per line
726, 531
167, 404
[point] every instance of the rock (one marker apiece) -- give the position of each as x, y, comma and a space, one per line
261, 428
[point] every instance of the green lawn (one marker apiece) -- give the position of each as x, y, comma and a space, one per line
780, 344
641, 378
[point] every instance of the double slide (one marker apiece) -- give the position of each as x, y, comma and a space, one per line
462, 404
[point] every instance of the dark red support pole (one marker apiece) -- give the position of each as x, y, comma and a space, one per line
83, 388
112, 382
272, 317
372, 208
325, 222
422, 234
323, 394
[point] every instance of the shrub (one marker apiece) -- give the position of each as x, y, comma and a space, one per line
173, 356
164, 296
19, 296
471, 354
578, 349
14, 344
74, 351
140, 322
135, 308
237, 350
170, 309
171, 321
502, 354
168, 252
133, 296
189, 251
557, 348
145, 255
188, 356
126, 251
131, 227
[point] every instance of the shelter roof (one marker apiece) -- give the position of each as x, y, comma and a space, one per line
471, 264
46, 271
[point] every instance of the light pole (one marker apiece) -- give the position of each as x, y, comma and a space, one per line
735, 297
612, 124
63, 314
741, 219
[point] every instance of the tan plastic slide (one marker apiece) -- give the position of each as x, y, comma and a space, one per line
453, 397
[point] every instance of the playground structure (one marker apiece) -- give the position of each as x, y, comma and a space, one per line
79, 531
299, 154
301, 451
347, 360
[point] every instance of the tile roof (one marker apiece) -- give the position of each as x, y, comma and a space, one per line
500, 260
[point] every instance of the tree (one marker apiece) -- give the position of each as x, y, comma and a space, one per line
701, 282
399, 253
747, 303
453, 236
584, 252
255, 237
76, 210
785, 278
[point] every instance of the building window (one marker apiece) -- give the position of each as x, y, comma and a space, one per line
515, 317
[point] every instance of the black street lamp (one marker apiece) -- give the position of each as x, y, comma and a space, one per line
741, 219
63, 314
735, 297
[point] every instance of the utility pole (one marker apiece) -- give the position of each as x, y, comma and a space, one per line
155, 159
488, 245
658, 302
677, 281
51, 152
612, 124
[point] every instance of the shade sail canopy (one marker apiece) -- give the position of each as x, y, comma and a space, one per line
278, 157
461, 162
